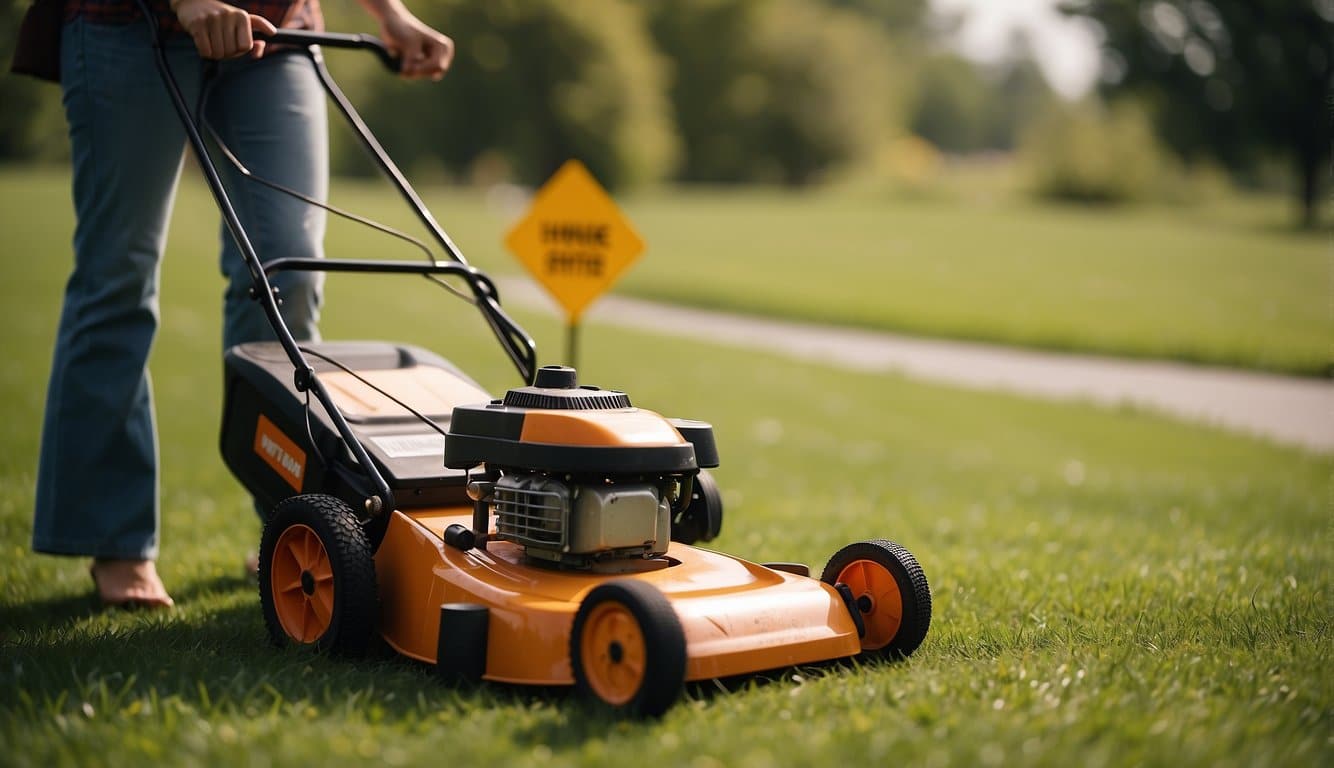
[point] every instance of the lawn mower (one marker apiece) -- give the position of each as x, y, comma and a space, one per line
544, 537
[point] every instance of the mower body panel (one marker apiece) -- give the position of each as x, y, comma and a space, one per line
738, 617
281, 443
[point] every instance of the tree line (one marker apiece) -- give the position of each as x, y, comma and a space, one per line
694, 91
796, 92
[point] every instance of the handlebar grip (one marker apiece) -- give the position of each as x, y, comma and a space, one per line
338, 40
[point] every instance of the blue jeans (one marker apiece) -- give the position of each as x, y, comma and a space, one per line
97, 478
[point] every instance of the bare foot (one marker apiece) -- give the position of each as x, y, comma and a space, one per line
129, 583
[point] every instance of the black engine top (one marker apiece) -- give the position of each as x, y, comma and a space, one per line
557, 388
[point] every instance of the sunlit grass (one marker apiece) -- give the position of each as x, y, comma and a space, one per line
1223, 283
1110, 587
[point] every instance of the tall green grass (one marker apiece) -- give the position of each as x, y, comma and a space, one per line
1110, 587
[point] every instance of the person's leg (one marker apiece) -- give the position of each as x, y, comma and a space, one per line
97, 474
271, 113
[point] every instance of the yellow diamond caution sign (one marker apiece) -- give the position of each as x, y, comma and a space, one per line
574, 239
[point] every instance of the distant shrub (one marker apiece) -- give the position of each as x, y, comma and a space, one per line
1205, 180
1095, 154
909, 163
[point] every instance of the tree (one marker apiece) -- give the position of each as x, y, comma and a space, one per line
775, 90
1021, 93
952, 97
1231, 79
964, 107
534, 83
899, 17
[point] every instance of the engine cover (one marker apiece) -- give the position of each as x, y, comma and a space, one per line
575, 524
559, 427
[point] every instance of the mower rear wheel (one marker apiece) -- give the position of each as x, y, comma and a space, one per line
317, 576
890, 590
627, 648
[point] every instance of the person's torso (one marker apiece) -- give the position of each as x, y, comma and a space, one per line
287, 14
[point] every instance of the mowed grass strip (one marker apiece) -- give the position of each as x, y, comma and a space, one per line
1110, 587
1219, 283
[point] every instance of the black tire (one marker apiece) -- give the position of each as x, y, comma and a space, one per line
867, 561
702, 519
331, 609
627, 648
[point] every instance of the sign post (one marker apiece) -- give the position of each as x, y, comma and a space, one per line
575, 242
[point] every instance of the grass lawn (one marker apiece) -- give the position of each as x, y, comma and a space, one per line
1223, 283
1110, 587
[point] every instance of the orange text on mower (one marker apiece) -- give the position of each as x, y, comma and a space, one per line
280, 452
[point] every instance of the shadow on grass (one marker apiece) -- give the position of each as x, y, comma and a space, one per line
213, 654
62, 612
45, 615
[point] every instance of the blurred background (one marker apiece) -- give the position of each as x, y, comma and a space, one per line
1136, 179
1142, 178
1097, 101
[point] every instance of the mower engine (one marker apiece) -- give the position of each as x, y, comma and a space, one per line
561, 521
577, 475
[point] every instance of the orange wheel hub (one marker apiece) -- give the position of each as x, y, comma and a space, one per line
301, 579
613, 653
876, 594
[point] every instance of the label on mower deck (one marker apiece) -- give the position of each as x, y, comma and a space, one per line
279, 452
574, 240
411, 446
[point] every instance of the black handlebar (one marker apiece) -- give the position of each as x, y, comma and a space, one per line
338, 40
515, 341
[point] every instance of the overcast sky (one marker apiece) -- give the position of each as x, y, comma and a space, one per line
1066, 48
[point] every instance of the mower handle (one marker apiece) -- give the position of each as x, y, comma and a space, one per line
306, 38
518, 344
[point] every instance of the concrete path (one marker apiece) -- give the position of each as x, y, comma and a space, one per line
1286, 409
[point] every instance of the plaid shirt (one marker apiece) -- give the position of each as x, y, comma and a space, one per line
287, 14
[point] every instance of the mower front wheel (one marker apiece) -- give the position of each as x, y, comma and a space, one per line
888, 590
317, 576
627, 648
702, 518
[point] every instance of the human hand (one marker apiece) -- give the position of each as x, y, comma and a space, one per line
221, 31
425, 52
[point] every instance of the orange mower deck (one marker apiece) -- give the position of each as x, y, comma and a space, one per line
738, 617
